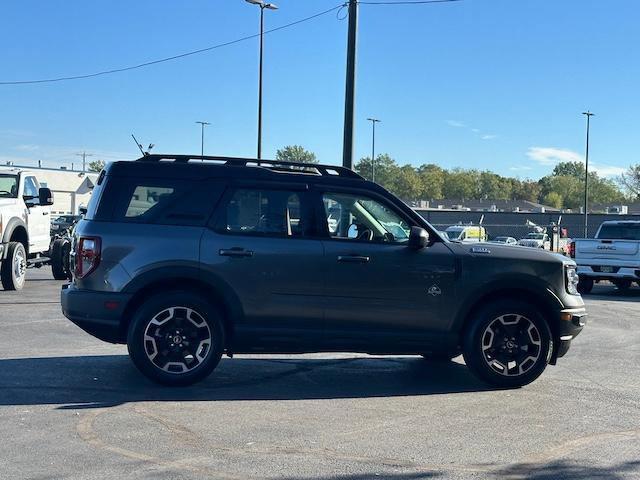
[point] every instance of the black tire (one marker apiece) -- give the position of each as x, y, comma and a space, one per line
60, 250
14, 266
623, 284
585, 285
440, 356
514, 362
151, 322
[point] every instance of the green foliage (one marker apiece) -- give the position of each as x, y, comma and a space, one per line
553, 199
564, 188
96, 165
296, 153
630, 181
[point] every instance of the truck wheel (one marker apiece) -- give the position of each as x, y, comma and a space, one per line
585, 285
60, 259
507, 344
14, 267
623, 284
176, 338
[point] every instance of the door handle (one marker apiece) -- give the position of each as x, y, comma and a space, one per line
45, 213
353, 259
235, 252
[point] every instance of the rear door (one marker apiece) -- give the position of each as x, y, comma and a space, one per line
38, 217
263, 246
382, 295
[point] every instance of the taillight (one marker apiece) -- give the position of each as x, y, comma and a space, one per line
87, 259
572, 249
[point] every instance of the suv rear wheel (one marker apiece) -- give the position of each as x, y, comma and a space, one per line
176, 338
508, 344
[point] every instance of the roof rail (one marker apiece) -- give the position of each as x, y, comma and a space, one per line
275, 165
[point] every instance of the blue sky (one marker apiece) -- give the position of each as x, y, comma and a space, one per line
488, 84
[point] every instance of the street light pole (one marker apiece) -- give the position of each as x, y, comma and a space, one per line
202, 137
373, 147
350, 86
270, 6
588, 114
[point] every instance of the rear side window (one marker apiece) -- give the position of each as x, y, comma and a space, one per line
159, 201
265, 212
620, 231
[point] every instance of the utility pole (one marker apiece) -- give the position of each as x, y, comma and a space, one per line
373, 147
84, 156
588, 114
202, 137
350, 87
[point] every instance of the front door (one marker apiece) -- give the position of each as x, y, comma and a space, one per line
262, 247
38, 217
382, 295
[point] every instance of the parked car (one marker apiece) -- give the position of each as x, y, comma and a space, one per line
24, 226
504, 240
63, 222
614, 255
535, 240
235, 256
467, 233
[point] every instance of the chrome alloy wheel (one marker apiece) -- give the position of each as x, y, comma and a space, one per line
511, 344
19, 265
177, 340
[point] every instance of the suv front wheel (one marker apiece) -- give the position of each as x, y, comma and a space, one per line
508, 344
176, 338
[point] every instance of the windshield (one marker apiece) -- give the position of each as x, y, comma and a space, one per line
8, 186
536, 236
453, 234
620, 231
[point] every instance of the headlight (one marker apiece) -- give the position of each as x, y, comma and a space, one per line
571, 279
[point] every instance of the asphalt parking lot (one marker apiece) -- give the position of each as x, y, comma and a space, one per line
72, 407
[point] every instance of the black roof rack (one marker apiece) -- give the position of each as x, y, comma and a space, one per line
275, 165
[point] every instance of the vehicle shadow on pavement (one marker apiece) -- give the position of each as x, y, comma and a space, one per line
102, 381
610, 293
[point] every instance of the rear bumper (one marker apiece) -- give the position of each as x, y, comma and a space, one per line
97, 313
631, 273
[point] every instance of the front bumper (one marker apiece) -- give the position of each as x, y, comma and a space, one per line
100, 314
571, 323
1, 251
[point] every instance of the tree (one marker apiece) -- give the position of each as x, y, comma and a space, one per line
569, 169
630, 180
408, 184
552, 199
295, 153
386, 170
432, 179
96, 165
461, 184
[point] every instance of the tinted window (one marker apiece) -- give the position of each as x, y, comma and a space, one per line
164, 202
266, 212
621, 231
361, 218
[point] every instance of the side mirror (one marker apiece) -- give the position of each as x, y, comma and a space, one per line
418, 238
45, 197
82, 210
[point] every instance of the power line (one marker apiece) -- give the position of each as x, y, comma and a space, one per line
168, 59
408, 2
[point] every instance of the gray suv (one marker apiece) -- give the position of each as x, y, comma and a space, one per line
187, 258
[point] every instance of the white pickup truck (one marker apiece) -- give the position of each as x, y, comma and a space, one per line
25, 221
614, 255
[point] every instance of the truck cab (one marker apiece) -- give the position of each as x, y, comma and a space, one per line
25, 217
